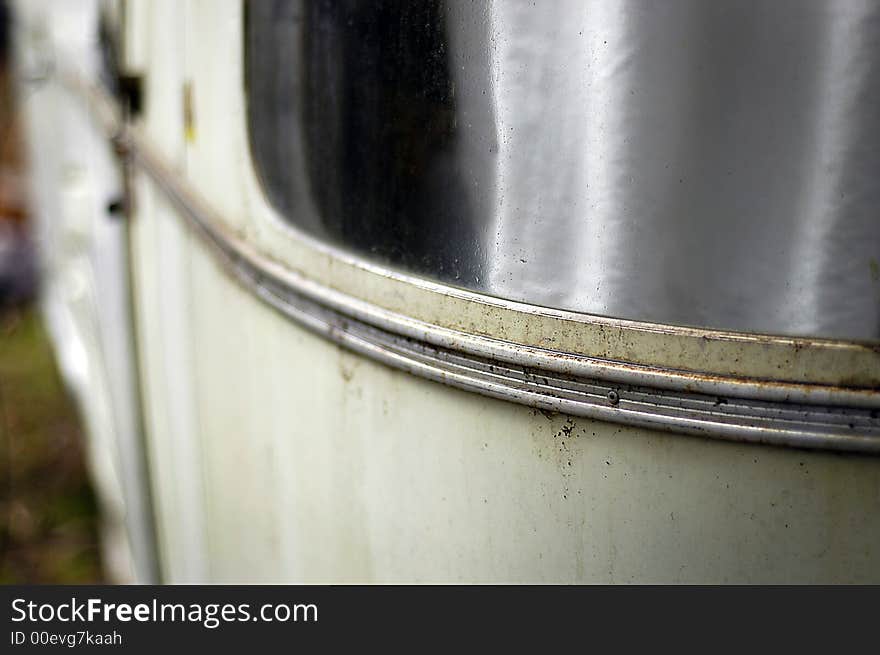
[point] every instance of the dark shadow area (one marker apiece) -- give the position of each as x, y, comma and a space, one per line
355, 132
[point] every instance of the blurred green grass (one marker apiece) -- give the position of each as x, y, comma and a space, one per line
48, 513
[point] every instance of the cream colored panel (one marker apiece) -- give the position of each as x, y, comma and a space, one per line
161, 268
137, 49
322, 466
213, 34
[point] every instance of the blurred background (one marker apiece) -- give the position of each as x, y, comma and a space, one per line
48, 512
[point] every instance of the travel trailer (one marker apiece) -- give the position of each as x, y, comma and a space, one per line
444, 291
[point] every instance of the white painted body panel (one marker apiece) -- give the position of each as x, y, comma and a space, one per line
321, 466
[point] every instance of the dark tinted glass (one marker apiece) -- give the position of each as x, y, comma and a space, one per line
353, 120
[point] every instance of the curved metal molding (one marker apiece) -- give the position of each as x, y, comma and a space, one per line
739, 409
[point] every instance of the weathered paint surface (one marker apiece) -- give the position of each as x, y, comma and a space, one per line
319, 465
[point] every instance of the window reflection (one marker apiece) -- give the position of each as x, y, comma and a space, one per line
710, 164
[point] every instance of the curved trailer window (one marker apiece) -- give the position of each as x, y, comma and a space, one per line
708, 164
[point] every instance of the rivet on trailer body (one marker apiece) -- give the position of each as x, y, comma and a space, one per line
613, 397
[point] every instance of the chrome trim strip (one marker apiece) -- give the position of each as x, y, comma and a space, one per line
736, 409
